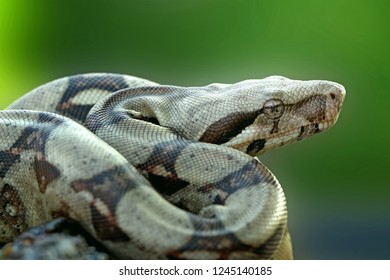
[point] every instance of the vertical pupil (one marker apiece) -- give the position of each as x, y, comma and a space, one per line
273, 108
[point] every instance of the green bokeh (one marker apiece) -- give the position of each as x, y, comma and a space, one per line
337, 184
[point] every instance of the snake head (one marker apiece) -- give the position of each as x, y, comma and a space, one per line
278, 111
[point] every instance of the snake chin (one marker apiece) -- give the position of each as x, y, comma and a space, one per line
256, 144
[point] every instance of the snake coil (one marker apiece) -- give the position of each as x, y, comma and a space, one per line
158, 172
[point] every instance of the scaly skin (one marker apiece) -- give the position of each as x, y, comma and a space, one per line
195, 145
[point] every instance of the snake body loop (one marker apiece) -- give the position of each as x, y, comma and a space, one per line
158, 172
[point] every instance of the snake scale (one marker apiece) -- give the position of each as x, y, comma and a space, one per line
155, 171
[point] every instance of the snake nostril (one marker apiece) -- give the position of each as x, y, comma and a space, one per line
332, 95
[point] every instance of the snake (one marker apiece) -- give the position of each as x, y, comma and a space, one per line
158, 171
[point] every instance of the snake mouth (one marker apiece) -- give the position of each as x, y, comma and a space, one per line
259, 143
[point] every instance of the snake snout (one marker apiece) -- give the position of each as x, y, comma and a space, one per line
337, 94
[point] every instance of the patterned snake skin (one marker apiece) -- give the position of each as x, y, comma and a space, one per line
158, 172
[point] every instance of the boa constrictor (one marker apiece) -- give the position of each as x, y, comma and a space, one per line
158, 172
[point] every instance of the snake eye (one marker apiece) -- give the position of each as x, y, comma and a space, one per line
273, 108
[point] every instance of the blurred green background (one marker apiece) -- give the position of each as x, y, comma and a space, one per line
337, 183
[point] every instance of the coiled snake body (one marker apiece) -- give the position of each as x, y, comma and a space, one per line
157, 172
